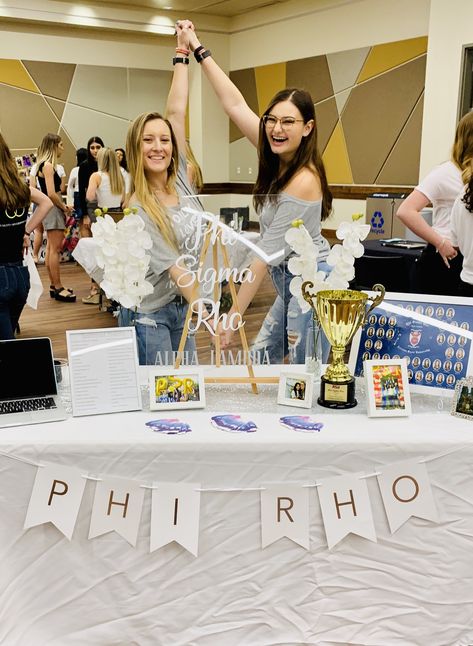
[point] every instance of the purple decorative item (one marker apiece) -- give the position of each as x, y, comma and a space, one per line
233, 423
169, 426
301, 423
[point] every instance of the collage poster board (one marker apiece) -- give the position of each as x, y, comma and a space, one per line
433, 333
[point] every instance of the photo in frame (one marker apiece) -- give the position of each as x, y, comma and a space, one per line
176, 388
433, 333
296, 389
387, 388
462, 402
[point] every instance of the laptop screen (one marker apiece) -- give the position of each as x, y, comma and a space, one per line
26, 368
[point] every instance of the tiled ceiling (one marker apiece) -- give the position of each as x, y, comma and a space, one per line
227, 8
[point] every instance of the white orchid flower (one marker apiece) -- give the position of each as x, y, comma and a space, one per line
352, 229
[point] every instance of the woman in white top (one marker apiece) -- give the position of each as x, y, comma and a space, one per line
438, 268
462, 232
107, 185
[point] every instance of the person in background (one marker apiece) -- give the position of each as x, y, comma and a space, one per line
291, 184
107, 185
439, 266
49, 151
73, 183
194, 172
86, 169
155, 149
461, 223
15, 230
121, 156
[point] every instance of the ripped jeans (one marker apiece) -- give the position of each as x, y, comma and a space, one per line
158, 333
285, 328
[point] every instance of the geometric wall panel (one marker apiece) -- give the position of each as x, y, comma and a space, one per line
52, 79
246, 82
368, 105
75, 101
326, 116
375, 114
402, 164
345, 67
13, 73
269, 80
313, 75
388, 55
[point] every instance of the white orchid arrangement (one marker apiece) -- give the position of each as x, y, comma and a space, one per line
122, 255
341, 257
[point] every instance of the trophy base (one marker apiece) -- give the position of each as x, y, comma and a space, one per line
336, 395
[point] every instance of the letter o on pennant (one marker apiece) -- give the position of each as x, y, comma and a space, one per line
416, 489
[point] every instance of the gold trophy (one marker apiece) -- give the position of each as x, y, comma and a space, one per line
340, 313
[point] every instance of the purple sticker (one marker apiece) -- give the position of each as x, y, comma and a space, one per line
172, 426
302, 423
233, 423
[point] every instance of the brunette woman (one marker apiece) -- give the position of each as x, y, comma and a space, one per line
15, 198
291, 184
86, 169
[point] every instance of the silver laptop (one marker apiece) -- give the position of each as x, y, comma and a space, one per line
28, 389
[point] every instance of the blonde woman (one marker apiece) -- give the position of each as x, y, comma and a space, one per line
107, 186
49, 151
155, 151
438, 269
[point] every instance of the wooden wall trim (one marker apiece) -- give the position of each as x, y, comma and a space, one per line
348, 192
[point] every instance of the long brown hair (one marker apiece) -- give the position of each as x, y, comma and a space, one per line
14, 193
269, 182
462, 151
139, 182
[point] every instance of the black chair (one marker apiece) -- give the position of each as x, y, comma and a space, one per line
391, 271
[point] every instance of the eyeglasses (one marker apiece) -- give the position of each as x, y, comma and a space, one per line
287, 123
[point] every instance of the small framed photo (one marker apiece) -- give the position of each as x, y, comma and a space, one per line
173, 389
295, 389
462, 403
387, 388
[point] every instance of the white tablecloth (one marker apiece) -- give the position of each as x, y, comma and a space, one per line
411, 588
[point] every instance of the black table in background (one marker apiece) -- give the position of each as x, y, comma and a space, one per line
393, 267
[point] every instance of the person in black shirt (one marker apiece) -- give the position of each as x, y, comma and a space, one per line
86, 169
15, 197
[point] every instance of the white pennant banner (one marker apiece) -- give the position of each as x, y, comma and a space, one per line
346, 508
117, 507
285, 513
406, 491
175, 512
56, 497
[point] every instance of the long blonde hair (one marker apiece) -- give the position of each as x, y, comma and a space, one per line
47, 150
139, 182
108, 163
13, 192
462, 151
194, 168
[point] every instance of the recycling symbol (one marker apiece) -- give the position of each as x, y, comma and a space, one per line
377, 220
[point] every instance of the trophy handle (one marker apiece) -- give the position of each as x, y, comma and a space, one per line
375, 300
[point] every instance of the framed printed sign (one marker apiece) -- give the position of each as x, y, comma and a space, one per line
174, 389
433, 333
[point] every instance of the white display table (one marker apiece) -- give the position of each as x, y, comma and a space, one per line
413, 588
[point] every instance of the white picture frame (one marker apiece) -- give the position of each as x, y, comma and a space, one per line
387, 388
296, 389
462, 402
173, 389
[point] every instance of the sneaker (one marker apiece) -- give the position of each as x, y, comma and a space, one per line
169, 426
300, 423
233, 423
91, 299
